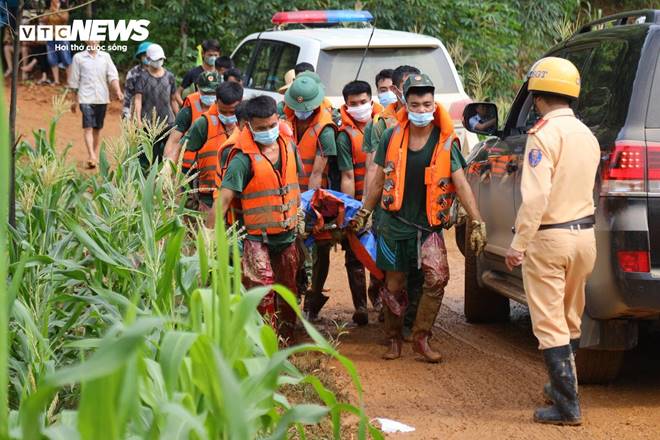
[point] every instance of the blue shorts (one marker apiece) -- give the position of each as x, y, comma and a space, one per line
61, 57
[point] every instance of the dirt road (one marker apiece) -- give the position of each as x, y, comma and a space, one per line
491, 377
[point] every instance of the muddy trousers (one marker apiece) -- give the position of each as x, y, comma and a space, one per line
435, 269
357, 278
555, 270
262, 267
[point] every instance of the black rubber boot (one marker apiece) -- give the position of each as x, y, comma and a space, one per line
547, 388
357, 282
566, 408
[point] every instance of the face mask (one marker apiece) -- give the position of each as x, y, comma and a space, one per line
207, 100
267, 137
303, 115
400, 97
157, 64
420, 119
227, 120
145, 61
210, 60
386, 98
361, 112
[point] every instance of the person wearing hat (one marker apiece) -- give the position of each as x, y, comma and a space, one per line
131, 78
205, 137
419, 173
194, 106
554, 234
389, 86
314, 134
155, 97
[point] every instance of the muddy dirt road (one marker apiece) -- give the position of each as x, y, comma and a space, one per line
491, 377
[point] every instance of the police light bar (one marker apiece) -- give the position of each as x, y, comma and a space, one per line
335, 16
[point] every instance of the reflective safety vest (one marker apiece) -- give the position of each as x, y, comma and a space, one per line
195, 103
440, 190
285, 132
308, 143
207, 156
356, 135
269, 203
389, 115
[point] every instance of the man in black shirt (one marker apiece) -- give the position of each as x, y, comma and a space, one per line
210, 53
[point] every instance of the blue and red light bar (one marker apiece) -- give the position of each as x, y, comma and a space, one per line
334, 16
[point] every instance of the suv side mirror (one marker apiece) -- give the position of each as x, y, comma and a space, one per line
481, 118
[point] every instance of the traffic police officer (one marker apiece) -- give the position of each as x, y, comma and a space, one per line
554, 239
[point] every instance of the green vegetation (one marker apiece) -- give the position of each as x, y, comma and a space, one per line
498, 37
126, 323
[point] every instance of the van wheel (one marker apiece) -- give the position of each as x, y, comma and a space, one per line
598, 366
481, 305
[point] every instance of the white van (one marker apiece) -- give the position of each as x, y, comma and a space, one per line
335, 53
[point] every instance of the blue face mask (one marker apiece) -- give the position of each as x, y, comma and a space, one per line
420, 119
267, 137
207, 100
386, 98
145, 61
210, 60
303, 115
227, 120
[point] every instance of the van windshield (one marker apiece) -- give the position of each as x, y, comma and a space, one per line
339, 66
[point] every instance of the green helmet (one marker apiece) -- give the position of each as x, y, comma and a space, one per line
417, 81
306, 93
207, 82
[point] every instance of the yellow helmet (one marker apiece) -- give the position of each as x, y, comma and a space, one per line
554, 75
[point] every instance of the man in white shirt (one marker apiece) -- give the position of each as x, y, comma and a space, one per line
91, 72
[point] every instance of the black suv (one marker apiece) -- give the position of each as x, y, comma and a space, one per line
618, 60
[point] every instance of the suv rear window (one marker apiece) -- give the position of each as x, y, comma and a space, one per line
339, 66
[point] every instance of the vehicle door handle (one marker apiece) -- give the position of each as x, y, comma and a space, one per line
511, 167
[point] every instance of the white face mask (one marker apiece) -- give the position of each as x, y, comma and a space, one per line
156, 64
303, 115
361, 112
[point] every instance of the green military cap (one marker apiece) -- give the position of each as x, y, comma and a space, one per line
207, 82
417, 80
306, 92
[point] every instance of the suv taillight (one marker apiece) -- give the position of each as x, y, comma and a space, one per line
624, 172
653, 171
633, 261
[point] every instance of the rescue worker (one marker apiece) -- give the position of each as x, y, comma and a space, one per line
194, 106
373, 133
314, 134
206, 136
357, 111
419, 173
554, 239
267, 197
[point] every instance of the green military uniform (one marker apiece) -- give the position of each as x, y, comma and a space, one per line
238, 175
183, 120
399, 236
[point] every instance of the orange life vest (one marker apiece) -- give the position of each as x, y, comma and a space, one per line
285, 132
308, 143
269, 202
356, 135
389, 115
195, 103
207, 156
440, 190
